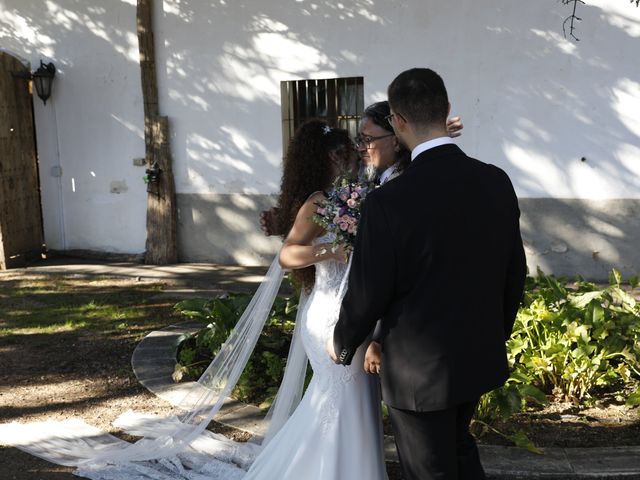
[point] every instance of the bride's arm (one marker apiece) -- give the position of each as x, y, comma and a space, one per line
298, 251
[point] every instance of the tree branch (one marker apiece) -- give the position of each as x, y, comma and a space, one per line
573, 18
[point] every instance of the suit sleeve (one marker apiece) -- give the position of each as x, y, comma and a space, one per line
377, 332
371, 281
516, 272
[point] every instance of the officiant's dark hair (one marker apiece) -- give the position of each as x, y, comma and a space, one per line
419, 95
378, 113
307, 169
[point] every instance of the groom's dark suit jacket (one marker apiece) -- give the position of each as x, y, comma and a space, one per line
439, 258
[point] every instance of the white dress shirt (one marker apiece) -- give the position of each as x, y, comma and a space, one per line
424, 146
386, 174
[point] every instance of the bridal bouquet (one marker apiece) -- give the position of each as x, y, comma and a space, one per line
340, 212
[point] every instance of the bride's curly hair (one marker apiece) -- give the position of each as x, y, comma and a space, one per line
307, 169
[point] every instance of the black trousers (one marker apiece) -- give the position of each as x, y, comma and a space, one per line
437, 445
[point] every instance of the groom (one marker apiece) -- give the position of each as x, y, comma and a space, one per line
448, 219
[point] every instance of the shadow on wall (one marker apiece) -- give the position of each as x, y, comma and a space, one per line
229, 154
569, 130
554, 114
534, 103
231, 88
588, 237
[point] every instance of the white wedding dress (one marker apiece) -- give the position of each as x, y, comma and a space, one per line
334, 433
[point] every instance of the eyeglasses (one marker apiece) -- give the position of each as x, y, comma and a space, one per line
367, 140
389, 117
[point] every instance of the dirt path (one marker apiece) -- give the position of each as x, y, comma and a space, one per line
58, 372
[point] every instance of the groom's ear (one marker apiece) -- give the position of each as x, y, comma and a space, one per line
400, 123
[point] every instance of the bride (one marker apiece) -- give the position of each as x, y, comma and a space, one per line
334, 432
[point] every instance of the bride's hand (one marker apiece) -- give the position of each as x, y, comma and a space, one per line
326, 252
341, 254
373, 358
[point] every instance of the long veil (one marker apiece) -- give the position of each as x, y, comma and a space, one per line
172, 447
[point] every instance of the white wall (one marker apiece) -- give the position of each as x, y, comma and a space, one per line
532, 102
92, 125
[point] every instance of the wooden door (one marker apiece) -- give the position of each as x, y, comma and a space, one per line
21, 233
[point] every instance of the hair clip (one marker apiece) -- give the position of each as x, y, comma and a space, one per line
326, 129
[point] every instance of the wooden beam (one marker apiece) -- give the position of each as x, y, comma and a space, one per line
162, 244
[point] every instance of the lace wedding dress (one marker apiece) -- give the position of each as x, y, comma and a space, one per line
334, 433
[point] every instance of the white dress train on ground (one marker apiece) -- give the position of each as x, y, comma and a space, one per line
335, 433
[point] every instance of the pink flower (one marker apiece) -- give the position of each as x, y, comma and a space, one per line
352, 229
344, 197
322, 211
344, 226
355, 194
346, 219
351, 203
337, 220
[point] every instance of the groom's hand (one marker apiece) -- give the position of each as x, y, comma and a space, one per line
373, 358
330, 350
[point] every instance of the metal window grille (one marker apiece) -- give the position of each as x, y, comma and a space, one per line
338, 101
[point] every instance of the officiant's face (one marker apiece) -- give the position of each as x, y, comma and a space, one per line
376, 146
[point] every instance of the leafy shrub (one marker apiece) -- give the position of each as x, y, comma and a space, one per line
568, 343
260, 380
571, 342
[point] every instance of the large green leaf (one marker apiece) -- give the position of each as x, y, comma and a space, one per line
582, 300
614, 277
531, 392
520, 439
193, 307
634, 399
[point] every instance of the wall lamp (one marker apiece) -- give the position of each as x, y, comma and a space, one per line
42, 78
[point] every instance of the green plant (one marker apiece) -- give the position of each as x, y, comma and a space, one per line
569, 342
261, 377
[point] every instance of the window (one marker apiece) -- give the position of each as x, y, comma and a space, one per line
338, 101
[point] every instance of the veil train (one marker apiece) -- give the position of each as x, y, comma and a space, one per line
178, 446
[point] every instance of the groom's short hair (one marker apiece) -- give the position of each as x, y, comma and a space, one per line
419, 95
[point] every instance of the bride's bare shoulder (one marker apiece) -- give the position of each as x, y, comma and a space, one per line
315, 197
